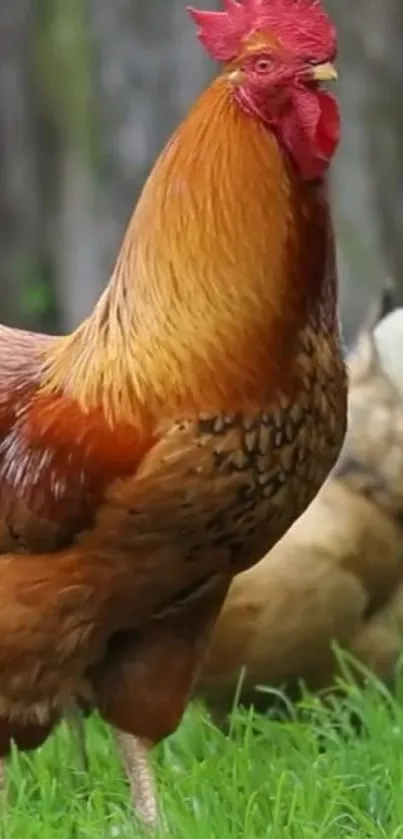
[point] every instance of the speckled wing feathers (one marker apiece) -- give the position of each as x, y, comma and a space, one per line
149, 540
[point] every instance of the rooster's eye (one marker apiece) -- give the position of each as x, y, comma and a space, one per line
264, 65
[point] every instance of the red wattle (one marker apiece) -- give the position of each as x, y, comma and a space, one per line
328, 127
310, 131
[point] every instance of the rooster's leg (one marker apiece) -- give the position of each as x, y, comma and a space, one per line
134, 754
144, 683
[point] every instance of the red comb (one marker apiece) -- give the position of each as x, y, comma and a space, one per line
301, 25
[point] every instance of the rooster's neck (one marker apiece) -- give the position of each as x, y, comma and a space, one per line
223, 265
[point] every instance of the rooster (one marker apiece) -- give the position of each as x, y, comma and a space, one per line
169, 442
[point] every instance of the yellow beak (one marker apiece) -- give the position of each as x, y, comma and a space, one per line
319, 73
324, 72
236, 76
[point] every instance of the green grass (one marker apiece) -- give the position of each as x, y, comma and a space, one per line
295, 780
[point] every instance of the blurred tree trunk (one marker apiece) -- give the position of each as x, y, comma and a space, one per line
65, 75
368, 182
383, 47
20, 197
361, 260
